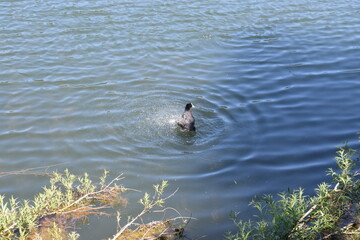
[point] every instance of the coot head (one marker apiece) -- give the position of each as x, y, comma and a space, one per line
188, 106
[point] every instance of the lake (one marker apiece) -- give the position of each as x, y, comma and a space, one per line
96, 85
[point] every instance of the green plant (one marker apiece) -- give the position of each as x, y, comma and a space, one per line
70, 198
157, 230
295, 216
346, 163
275, 219
67, 195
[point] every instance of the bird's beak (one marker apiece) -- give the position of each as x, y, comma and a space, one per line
193, 105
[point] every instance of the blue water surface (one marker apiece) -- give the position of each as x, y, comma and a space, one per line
96, 85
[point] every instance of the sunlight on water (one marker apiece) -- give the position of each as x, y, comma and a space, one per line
153, 124
172, 120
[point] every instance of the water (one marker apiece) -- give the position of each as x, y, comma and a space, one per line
96, 85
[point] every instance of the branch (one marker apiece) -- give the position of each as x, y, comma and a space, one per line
144, 211
28, 171
89, 194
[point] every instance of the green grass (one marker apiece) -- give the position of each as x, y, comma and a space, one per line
333, 213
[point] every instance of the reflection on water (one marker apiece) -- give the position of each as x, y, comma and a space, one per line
98, 85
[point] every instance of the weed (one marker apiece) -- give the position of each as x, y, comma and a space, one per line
296, 216
70, 198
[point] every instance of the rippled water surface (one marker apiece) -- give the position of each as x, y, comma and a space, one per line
96, 85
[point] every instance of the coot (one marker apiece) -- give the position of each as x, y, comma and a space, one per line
187, 121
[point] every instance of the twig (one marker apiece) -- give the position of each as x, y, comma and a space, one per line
86, 209
351, 233
29, 171
302, 219
10, 227
145, 210
306, 214
89, 194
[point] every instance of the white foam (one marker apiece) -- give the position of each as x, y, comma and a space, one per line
172, 121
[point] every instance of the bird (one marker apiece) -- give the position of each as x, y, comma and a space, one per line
187, 121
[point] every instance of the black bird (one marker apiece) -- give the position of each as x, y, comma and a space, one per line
187, 121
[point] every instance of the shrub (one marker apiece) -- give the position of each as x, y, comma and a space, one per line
295, 216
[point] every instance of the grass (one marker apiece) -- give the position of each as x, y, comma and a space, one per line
333, 213
70, 199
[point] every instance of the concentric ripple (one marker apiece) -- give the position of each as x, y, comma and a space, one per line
148, 123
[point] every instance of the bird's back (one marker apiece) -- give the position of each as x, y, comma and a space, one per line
187, 121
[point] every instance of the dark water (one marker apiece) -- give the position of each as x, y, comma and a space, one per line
98, 84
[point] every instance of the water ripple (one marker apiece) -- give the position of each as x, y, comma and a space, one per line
99, 85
